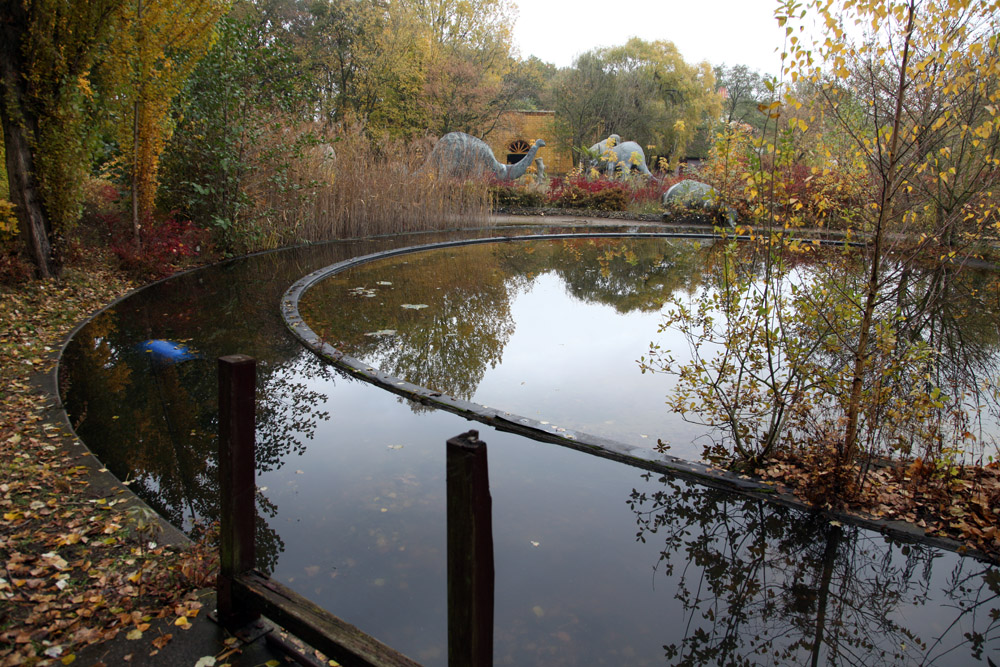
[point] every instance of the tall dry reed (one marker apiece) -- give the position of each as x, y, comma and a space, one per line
349, 188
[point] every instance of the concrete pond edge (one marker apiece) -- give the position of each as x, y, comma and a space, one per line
646, 459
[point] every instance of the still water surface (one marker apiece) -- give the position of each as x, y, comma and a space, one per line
550, 329
596, 562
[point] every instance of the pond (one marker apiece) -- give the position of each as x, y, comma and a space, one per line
596, 562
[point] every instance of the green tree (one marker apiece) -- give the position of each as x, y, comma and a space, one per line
233, 121
366, 61
585, 96
530, 83
743, 91
47, 50
663, 101
643, 91
156, 46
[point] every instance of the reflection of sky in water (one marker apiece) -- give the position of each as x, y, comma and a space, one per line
362, 517
574, 364
528, 329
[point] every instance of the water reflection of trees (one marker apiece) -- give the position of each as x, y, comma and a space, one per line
468, 291
943, 318
156, 424
932, 389
628, 274
460, 326
765, 583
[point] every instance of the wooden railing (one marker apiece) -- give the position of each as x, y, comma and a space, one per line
244, 595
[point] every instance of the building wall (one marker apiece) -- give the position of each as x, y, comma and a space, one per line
527, 126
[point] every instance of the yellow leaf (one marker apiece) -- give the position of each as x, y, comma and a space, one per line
134, 634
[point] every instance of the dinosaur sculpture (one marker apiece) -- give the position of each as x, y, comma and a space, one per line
699, 198
613, 151
460, 155
602, 147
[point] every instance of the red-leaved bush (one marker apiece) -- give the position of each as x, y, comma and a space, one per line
164, 247
578, 192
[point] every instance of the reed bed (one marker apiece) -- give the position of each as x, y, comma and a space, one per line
350, 188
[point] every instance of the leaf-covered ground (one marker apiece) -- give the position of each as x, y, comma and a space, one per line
79, 563
959, 502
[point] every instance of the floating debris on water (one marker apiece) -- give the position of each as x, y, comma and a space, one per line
414, 306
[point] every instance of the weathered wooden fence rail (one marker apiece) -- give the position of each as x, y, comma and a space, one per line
244, 595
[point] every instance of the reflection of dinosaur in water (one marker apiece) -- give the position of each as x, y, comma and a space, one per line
460, 155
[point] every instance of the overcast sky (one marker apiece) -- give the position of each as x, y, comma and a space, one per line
734, 32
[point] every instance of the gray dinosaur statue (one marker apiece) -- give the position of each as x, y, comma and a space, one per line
692, 196
461, 155
602, 147
613, 151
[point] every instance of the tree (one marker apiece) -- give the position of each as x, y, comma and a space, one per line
585, 95
47, 50
839, 368
663, 101
366, 59
156, 46
743, 91
530, 84
929, 72
468, 58
643, 91
234, 119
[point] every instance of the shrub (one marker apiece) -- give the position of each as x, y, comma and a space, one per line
513, 196
167, 246
578, 192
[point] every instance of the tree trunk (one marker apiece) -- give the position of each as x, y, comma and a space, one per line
862, 354
19, 127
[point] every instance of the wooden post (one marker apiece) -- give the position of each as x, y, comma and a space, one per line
470, 553
237, 481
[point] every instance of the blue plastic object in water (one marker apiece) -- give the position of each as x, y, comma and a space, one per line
167, 351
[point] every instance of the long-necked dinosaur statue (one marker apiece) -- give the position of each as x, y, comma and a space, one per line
461, 155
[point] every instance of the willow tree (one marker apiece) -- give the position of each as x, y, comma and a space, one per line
47, 50
664, 100
156, 46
